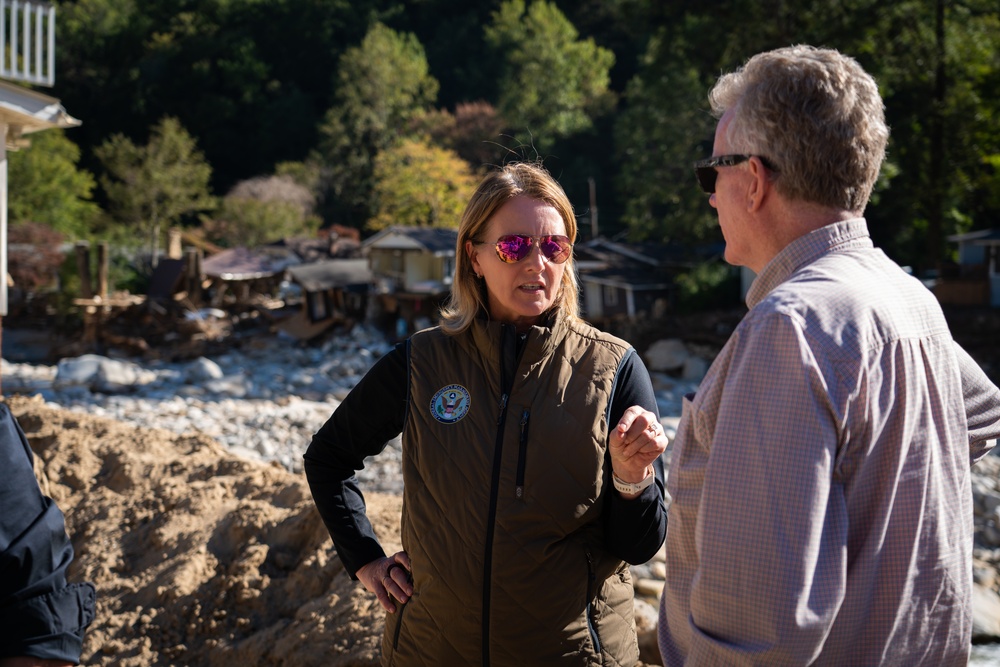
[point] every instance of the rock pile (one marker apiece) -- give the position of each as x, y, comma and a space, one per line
264, 400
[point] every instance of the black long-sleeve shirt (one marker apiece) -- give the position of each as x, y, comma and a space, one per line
373, 414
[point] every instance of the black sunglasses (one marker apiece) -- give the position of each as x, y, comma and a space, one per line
512, 248
706, 173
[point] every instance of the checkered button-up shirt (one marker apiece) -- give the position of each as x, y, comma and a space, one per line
822, 508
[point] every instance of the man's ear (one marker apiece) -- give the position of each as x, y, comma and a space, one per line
760, 185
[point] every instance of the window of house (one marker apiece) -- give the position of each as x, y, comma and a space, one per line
610, 295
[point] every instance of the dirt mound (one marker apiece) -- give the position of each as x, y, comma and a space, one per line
200, 557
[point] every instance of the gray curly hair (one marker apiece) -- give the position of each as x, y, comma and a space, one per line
816, 115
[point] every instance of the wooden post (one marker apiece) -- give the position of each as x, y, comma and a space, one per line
102, 269
174, 250
83, 269
192, 274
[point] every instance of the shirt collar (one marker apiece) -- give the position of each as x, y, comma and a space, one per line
806, 249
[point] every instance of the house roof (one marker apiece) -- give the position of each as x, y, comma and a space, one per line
439, 241
325, 274
246, 264
601, 248
635, 278
980, 237
638, 266
25, 111
603, 253
318, 248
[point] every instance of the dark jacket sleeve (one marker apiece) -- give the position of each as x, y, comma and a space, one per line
41, 615
635, 529
361, 426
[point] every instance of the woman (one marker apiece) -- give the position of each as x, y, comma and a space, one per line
527, 478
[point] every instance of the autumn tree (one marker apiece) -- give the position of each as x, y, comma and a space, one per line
475, 132
420, 185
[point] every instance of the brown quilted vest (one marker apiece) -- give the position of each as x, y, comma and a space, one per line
502, 503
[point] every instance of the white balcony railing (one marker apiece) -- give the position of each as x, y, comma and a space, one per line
28, 41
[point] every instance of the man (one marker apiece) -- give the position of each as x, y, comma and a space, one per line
822, 508
42, 617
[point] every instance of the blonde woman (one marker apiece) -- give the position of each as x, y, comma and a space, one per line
531, 457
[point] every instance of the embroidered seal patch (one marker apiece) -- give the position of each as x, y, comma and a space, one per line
451, 403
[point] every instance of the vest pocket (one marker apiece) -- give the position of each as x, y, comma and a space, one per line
522, 454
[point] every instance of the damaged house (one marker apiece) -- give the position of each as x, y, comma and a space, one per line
411, 271
334, 291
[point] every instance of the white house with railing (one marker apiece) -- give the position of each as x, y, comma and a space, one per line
27, 56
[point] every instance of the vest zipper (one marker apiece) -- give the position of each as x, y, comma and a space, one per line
508, 369
591, 590
399, 627
522, 455
490, 526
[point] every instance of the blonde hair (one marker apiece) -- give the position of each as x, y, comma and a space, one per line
468, 293
816, 114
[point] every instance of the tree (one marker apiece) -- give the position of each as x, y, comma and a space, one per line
157, 184
46, 186
553, 83
34, 255
381, 85
474, 131
664, 128
938, 73
229, 70
261, 210
420, 185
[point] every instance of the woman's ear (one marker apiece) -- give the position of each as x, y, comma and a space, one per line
470, 250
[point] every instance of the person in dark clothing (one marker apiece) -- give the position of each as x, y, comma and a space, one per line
42, 617
532, 469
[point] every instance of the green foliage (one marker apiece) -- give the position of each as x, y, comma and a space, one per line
421, 186
381, 85
252, 222
251, 81
664, 128
308, 174
553, 83
46, 186
126, 270
155, 185
708, 286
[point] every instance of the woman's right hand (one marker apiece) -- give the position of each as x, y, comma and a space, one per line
388, 578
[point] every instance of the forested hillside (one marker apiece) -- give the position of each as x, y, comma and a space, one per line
290, 115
